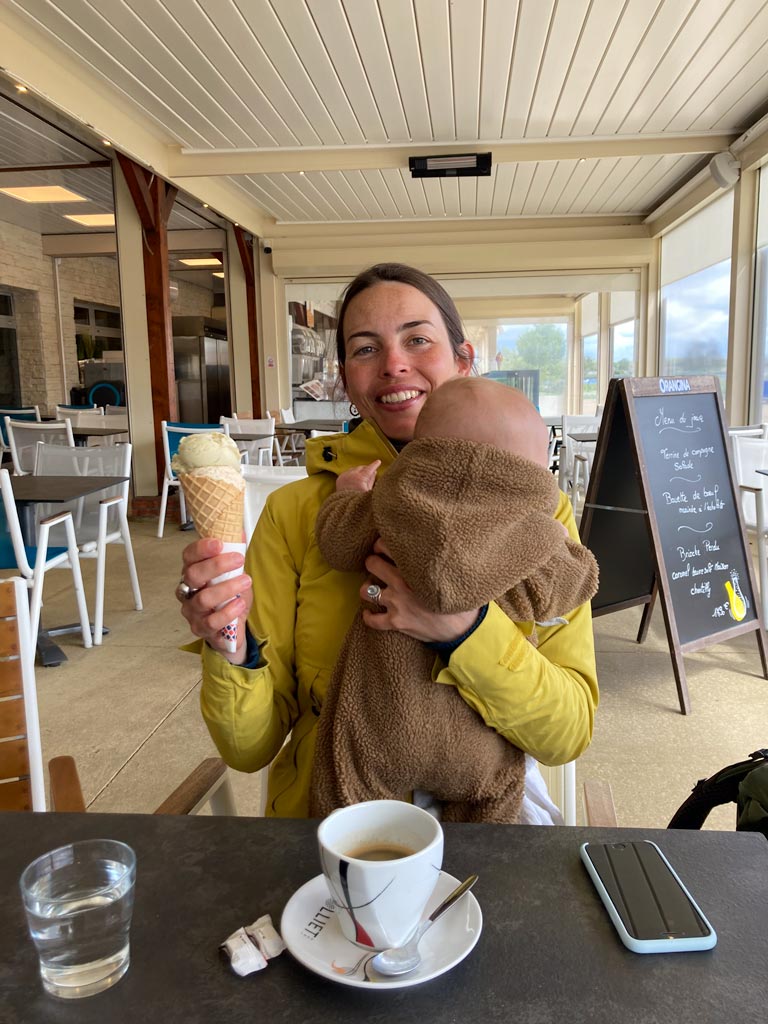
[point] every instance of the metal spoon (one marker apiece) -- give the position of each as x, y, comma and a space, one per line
406, 958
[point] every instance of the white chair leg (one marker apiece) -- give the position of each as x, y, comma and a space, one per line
265, 457
762, 557
182, 505
277, 451
126, 535
101, 559
77, 577
163, 504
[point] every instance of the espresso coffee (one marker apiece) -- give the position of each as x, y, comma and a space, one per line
381, 851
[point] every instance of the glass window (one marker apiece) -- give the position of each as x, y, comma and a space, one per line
623, 349
695, 292
6, 304
761, 298
515, 350
694, 323
589, 374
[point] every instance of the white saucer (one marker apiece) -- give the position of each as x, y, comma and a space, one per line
311, 931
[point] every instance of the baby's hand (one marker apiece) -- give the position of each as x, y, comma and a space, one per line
360, 478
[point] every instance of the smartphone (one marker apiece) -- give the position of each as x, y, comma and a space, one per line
650, 907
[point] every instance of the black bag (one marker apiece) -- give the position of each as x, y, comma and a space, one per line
744, 783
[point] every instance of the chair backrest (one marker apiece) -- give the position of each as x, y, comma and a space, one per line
260, 481
115, 410
21, 764
71, 412
286, 415
237, 425
90, 418
24, 436
105, 460
561, 784
31, 415
759, 430
173, 433
749, 455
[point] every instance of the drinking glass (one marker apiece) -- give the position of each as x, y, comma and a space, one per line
78, 900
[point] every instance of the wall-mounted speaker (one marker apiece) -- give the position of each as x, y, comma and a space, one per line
724, 168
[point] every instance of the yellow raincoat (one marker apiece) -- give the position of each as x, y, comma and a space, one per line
542, 699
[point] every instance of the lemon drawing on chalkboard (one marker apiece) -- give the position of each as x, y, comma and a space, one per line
737, 603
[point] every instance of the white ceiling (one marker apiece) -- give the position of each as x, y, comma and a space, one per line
355, 80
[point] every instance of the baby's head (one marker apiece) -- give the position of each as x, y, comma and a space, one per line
479, 409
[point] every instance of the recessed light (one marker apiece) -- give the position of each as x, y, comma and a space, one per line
44, 194
207, 261
237, 225
205, 206
106, 142
20, 87
301, 173
92, 220
218, 273
582, 160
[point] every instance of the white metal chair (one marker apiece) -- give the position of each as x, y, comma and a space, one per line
759, 430
102, 519
34, 562
23, 438
261, 451
172, 435
750, 454
71, 412
576, 456
28, 414
22, 783
291, 445
260, 481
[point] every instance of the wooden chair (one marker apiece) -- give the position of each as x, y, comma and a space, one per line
22, 785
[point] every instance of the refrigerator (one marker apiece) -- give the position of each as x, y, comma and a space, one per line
201, 361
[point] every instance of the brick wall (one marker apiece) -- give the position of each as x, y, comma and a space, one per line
29, 275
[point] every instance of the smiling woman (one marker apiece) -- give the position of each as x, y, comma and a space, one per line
399, 338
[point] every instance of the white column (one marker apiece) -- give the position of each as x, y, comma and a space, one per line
737, 392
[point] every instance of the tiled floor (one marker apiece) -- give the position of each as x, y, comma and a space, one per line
128, 711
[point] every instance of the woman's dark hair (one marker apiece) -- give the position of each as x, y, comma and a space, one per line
401, 274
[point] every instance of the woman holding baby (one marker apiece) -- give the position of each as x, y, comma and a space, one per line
399, 338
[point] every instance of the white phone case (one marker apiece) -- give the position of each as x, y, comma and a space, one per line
646, 894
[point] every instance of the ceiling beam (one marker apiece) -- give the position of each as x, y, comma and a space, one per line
102, 243
187, 163
24, 169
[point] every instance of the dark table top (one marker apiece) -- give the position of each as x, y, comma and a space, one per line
307, 426
547, 953
32, 488
104, 431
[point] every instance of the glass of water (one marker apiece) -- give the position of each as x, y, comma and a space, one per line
79, 900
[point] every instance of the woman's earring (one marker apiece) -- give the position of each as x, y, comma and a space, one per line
353, 410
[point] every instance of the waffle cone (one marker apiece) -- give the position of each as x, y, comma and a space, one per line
216, 506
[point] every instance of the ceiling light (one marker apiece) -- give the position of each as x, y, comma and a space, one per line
218, 273
461, 166
205, 206
581, 160
207, 261
301, 173
44, 194
106, 142
20, 87
92, 220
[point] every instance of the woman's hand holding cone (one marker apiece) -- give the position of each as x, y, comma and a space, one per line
203, 561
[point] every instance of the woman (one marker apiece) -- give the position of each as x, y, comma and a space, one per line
399, 337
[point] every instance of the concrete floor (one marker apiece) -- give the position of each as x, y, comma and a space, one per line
128, 711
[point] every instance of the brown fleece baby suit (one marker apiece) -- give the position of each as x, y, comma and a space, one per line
466, 523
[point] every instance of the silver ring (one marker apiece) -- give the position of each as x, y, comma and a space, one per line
184, 592
374, 592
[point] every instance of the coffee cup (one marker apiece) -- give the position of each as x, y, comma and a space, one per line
381, 860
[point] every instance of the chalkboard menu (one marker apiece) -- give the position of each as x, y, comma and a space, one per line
662, 513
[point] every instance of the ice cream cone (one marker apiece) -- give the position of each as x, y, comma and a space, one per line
215, 498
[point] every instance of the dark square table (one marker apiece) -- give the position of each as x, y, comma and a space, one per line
548, 952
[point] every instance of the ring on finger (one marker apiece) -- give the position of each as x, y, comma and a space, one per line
184, 592
374, 592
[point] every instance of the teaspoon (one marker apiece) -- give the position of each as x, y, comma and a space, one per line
407, 958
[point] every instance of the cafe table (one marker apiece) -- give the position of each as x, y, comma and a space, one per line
81, 434
307, 426
547, 951
30, 490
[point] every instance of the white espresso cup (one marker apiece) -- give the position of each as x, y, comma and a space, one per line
381, 861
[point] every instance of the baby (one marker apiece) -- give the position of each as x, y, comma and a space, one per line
466, 512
